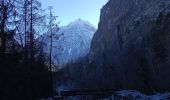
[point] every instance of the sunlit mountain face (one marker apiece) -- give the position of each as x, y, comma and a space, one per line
71, 42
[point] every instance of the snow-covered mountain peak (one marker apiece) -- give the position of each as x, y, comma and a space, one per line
80, 22
71, 42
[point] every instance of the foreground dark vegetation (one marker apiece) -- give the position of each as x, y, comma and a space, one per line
24, 68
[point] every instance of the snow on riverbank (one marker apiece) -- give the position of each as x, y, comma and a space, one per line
135, 95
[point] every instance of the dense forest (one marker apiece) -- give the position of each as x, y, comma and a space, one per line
25, 73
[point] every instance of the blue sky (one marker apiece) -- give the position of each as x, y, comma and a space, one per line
70, 10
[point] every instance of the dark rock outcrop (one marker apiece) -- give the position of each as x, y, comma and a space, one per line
131, 48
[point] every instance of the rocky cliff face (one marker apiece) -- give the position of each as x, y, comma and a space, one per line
131, 48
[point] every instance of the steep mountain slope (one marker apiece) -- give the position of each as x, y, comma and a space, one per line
71, 42
131, 48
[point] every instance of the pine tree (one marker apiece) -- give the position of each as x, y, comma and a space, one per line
51, 25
